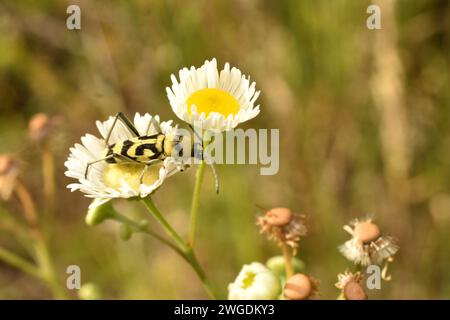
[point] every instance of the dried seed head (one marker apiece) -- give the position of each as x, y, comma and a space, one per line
40, 127
6, 164
9, 171
283, 227
353, 290
279, 216
300, 287
367, 245
366, 231
346, 277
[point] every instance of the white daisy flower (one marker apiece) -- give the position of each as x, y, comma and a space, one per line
254, 282
217, 100
367, 245
106, 181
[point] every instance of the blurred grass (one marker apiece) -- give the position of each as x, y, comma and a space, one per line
315, 62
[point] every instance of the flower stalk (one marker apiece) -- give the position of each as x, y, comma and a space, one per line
137, 227
45, 269
19, 263
196, 202
287, 253
48, 173
185, 249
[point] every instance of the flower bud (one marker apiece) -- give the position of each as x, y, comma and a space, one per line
125, 232
278, 265
99, 211
354, 291
143, 224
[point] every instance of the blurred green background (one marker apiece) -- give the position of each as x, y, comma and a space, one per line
363, 114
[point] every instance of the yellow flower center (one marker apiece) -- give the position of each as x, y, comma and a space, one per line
114, 174
248, 280
213, 100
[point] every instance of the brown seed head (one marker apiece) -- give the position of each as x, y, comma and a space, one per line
298, 287
354, 291
367, 231
6, 164
278, 216
40, 127
9, 170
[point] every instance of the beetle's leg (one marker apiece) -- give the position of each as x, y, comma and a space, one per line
147, 164
89, 164
155, 124
141, 177
196, 133
128, 124
216, 177
150, 162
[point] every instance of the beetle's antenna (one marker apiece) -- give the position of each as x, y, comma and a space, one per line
216, 177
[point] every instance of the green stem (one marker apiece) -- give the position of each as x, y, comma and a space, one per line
144, 229
195, 202
44, 261
47, 268
357, 268
163, 222
20, 263
287, 254
192, 259
185, 249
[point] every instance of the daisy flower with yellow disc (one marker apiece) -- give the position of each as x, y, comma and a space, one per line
105, 181
219, 100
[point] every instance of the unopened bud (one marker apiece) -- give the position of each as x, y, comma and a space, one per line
143, 224
98, 213
278, 265
125, 232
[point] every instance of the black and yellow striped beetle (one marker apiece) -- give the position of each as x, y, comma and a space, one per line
147, 149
